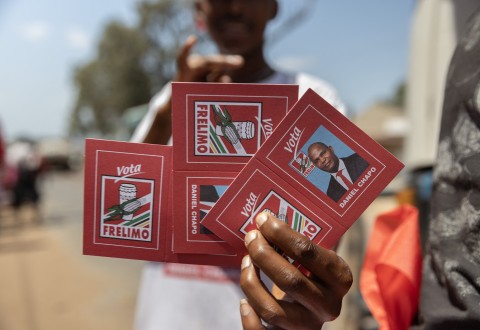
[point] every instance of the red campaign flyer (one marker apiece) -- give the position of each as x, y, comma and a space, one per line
256, 189
219, 127
126, 199
140, 205
329, 160
128, 209
195, 195
192, 256
317, 156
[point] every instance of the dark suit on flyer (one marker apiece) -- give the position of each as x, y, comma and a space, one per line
355, 166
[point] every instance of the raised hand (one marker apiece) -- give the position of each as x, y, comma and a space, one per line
202, 68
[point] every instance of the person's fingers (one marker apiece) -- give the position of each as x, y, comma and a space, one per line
225, 79
309, 293
250, 319
325, 264
213, 68
217, 76
220, 77
256, 292
184, 52
250, 282
277, 314
277, 293
216, 63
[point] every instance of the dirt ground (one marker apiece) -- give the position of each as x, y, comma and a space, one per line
45, 281
47, 284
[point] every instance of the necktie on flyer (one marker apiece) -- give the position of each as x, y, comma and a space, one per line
347, 182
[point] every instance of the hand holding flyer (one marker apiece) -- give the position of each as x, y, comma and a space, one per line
195, 202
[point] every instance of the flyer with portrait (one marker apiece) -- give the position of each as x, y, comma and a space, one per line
196, 192
317, 163
217, 128
191, 255
139, 204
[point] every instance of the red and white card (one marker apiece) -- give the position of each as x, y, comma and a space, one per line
288, 166
217, 128
193, 257
256, 189
141, 205
126, 199
159, 203
196, 192
128, 205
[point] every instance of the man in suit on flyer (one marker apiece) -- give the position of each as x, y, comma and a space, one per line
344, 171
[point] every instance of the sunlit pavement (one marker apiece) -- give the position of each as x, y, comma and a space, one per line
46, 282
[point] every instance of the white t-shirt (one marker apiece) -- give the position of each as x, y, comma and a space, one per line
170, 297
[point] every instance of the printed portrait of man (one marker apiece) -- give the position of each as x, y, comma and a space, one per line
209, 195
343, 171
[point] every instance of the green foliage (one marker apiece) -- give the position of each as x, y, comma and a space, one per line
130, 65
165, 25
398, 97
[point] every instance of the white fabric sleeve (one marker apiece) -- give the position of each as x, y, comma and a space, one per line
322, 88
157, 101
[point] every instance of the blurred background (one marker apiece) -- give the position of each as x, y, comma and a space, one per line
76, 69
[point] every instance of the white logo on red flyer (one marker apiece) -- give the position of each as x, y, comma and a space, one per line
284, 211
127, 208
229, 128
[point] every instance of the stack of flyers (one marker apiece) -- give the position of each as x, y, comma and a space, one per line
238, 150
128, 204
217, 128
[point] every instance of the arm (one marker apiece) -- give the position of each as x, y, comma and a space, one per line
308, 301
190, 68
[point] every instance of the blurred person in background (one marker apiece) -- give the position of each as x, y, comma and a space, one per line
450, 294
170, 297
2, 148
238, 30
25, 165
2, 166
442, 23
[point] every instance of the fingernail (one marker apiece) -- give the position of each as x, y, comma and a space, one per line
260, 219
251, 235
234, 59
244, 307
246, 262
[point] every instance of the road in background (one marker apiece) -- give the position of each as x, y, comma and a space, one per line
45, 281
47, 284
